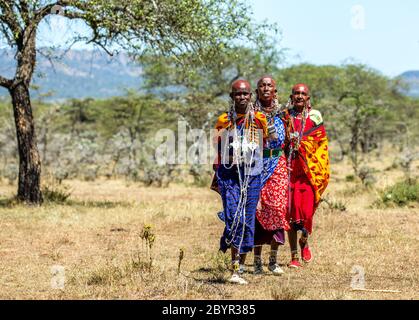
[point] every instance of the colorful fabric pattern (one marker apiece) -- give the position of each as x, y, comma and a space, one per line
239, 221
310, 173
271, 213
224, 122
269, 164
239, 228
225, 137
314, 150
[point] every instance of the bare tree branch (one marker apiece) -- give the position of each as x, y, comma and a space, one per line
24, 11
46, 10
8, 17
7, 34
6, 83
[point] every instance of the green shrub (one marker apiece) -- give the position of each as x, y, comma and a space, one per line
335, 205
56, 193
401, 193
350, 178
219, 267
366, 174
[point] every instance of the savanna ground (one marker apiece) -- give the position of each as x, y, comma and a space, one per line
99, 238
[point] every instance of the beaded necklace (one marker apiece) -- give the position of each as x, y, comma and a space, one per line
296, 137
269, 115
241, 145
295, 141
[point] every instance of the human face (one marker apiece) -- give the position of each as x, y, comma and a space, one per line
241, 95
266, 90
300, 96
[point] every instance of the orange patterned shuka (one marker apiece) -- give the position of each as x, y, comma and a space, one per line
224, 123
315, 155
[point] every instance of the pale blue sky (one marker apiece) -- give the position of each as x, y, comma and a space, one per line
383, 34
328, 32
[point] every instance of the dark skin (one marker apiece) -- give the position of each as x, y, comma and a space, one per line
266, 92
241, 94
300, 96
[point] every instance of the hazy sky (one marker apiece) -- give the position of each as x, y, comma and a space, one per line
383, 34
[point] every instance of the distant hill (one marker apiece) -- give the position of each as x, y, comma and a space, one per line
85, 73
79, 74
412, 79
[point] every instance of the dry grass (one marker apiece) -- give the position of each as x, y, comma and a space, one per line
97, 239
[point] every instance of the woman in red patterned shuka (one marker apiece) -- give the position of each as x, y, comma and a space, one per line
271, 223
308, 162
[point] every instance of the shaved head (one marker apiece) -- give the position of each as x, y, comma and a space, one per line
301, 87
267, 77
300, 96
241, 94
240, 85
266, 91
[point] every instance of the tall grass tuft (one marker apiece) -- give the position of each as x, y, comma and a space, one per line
286, 293
181, 256
334, 205
147, 235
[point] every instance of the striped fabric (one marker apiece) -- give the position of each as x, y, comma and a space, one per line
238, 233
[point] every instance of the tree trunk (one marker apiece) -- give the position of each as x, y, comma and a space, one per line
29, 187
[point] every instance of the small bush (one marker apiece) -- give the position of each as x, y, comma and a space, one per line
105, 275
366, 175
219, 267
402, 193
155, 175
9, 202
202, 175
335, 205
350, 178
56, 193
137, 264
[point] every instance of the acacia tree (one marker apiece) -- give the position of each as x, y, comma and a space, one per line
201, 91
167, 27
198, 94
361, 107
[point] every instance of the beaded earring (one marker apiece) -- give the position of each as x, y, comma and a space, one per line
275, 101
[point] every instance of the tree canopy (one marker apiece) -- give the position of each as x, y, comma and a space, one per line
191, 32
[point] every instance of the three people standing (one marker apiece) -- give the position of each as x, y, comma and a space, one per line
266, 196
